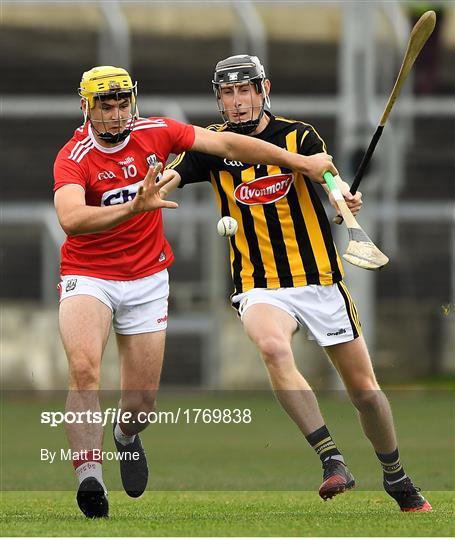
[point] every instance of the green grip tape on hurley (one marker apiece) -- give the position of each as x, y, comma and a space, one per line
333, 186
329, 180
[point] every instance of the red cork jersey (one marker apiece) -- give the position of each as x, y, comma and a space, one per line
137, 247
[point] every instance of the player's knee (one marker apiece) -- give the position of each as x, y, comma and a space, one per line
139, 401
274, 349
84, 373
367, 400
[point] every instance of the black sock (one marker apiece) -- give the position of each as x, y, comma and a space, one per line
391, 466
323, 445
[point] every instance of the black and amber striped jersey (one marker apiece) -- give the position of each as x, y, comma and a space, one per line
284, 237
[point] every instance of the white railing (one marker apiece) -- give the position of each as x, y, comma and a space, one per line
181, 106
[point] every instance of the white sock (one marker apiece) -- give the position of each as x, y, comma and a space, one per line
121, 437
90, 468
396, 481
337, 457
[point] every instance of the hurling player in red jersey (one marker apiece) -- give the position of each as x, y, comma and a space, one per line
287, 275
115, 258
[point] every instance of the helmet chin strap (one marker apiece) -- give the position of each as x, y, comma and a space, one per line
107, 136
112, 138
245, 128
248, 126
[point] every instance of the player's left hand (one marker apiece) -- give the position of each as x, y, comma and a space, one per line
353, 202
148, 197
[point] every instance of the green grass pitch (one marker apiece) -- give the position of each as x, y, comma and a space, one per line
226, 514
259, 479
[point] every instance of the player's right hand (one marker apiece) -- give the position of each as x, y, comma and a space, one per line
317, 165
148, 196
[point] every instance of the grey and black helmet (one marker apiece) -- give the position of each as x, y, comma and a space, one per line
239, 69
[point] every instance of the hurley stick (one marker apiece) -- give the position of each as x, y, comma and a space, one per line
361, 250
422, 30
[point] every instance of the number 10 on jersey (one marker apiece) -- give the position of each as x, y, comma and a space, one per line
129, 171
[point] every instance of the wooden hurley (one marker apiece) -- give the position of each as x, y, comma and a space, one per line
361, 250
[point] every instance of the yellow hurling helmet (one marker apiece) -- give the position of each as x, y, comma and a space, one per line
105, 80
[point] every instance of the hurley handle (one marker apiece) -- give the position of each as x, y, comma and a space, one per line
338, 196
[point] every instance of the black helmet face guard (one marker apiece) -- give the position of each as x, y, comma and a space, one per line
235, 71
248, 116
115, 130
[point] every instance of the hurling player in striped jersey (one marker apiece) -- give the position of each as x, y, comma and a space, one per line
115, 258
287, 274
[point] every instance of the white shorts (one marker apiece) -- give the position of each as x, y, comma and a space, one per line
138, 306
326, 311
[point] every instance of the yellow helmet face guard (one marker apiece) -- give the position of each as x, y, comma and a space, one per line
109, 82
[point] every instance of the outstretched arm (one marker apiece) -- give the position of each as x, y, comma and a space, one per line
251, 150
76, 217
